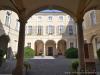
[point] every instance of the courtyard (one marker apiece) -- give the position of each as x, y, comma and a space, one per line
45, 66
57, 66
77, 25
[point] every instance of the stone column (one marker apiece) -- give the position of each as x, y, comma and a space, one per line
56, 48
20, 53
55, 30
44, 51
81, 44
44, 30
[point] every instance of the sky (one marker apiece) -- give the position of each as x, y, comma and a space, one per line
47, 10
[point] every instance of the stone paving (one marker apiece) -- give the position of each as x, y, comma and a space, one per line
56, 66
43, 57
50, 66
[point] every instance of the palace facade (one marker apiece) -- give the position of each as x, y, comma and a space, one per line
47, 32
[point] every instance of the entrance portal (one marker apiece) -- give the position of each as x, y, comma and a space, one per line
39, 47
50, 48
61, 47
50, 51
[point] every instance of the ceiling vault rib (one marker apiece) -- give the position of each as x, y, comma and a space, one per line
88, 2
81, 7
14, 4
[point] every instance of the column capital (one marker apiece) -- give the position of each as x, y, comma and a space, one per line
22, 21
79, 20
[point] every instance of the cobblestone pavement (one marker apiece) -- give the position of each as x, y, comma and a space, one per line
58, 66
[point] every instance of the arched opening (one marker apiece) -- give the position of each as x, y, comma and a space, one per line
61, 47
39, 47
52, 7
91, 33
50, 48
77, 15
95, 40
9, 25
91, 29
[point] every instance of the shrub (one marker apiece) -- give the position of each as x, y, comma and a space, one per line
28, 52
2, 53
71, 53
98, 53
75, 65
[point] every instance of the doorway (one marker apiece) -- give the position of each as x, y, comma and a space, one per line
50, 51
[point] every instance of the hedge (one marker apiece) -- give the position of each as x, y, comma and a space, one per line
29, 52
98, 53
71, 53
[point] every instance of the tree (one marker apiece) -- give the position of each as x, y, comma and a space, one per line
4, 39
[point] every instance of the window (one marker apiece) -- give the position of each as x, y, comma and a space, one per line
50, 18
97, 41
71, 44
29, 30
17, 25
39, 30
61, 29
34, 30
61, 18
70, 18
93, 17
8, 18
39, 18
29, 44
50, 29
70, 29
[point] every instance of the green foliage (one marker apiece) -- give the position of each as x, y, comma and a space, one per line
2, 53
28, 52
98, 53
5, 37
71, 53
75, 65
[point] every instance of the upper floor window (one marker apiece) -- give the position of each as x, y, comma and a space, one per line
8, 18
29, 32
39, 18
70, 29
71, 44
61, 29
93, 17
17, 25
61, 18
39, 30
70, 18
29, 44
50, 29
50, 18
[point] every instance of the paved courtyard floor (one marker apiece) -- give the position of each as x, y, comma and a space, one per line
43, 66
43, 57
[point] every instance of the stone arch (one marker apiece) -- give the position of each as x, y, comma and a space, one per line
96, 38
92, 37
39, 47
61, 46
44, 7
95, 41
50, 47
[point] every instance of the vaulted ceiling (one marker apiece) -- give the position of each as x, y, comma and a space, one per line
26, 8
